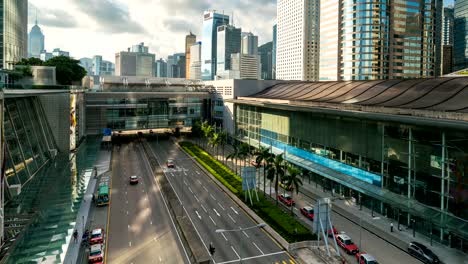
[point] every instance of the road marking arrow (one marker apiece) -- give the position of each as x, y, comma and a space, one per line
199, 216
216, 212
234, 210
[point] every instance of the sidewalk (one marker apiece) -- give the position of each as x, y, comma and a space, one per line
102, 163
380, 227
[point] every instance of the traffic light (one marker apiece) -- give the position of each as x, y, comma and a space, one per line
212, 249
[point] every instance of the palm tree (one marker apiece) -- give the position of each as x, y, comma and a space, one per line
244, 152
214, 141
233, 157
262, 156
222, 140
293, 181
276, 172
207, 130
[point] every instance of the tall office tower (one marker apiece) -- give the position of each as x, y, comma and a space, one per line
13, 31
35, 41
265, 52
136, 61
102, 67
329, 23
160, 68
176, 65
211, 22
229, 42
362, 41
447, 26
189, 41
195, 61
245, 66
273, 59
297, 54
460, 40
87, 64
249, 44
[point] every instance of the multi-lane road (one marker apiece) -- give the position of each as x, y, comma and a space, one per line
209, 209
140, 227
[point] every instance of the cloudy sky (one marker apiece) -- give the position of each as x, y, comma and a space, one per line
104, 27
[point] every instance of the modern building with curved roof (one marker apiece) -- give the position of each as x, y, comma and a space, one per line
397, 146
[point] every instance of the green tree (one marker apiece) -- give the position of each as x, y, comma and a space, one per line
223, 141
207, 130
276, 172
214, 142
292, 181
244, 152
234, 156
262, 156
67, 69
30, 61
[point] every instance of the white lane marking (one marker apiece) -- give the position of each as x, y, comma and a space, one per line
199, 216
254, 257
231, 218
185, 173
125, 193
234, 210
196, 198
225, 238
151, 222
257, 248
235, 252
190, 189
130, 243
126, 202
212, 220
216, 212
206, 211
142, 191
205, 188
212, 197
160, 259
199, 182
172, 174
127, 212
221, 206
185, 183
197, 172
245, 233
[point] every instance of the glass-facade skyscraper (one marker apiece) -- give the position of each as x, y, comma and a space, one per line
14, 32
273, 54
228, 42
460, 45
211, 22
35, 42
381, 39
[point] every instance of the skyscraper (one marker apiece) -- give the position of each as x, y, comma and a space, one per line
14, 32
273, 59
447, 40
195, 61
35, 41
160, 68
189, 41
102, 67
265, 53
245, 66
136, 61
211, 22
298, 35
250, 44
229, 42
460, 44
176, 65
359, 41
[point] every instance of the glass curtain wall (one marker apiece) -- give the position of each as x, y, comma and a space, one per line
26, 139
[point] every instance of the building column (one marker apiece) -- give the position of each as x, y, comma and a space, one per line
341, 155
442, 188
410, 167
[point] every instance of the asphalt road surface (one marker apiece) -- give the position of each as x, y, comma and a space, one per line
209, 209
141, 230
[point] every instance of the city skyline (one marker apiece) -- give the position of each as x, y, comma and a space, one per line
164, 33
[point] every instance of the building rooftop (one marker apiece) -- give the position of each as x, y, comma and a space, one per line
435, 98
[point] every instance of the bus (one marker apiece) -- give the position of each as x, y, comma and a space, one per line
103, 195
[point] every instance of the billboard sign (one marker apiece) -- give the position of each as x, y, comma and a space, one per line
248, 178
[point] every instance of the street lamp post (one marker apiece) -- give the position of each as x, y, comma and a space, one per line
261, 225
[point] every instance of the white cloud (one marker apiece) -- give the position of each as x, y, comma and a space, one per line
104, 27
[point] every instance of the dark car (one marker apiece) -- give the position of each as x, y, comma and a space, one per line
422, 253
308, 212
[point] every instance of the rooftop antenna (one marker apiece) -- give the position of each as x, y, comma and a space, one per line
36, 15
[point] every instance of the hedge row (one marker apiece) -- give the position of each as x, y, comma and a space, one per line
282, 222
